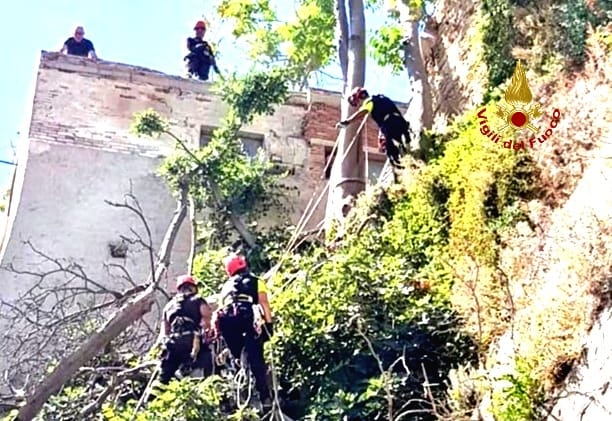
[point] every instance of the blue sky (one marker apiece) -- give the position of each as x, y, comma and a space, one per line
148, 33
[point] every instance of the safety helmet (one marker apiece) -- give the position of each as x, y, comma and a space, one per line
233, 263
357, 94
185, 280
200, 25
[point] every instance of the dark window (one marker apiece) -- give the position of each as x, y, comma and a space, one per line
328, 164
118, 249
251, 142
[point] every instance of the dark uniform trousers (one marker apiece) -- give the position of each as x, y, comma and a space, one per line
395, 128
238, 332
199, 65
177, 353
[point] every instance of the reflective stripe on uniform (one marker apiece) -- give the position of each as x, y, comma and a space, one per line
368, 105
389, 115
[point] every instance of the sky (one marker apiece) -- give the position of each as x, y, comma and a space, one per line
147, 33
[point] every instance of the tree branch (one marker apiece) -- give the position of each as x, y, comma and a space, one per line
115, 325
216, 193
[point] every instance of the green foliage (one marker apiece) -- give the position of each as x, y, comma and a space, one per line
247, 15
208, 269
498, 38
364, 290
185, 400
310, 37
387, 48
11, 416
552, 34
148, 123
395, 282
569, 31
601, 13
303, 44
254, 94
220, 175
521, 399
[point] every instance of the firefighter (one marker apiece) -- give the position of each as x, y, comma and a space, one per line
201, 57
185, 317
394, 135
240, 300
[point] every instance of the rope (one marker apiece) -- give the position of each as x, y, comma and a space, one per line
303, 221
367, 160
242, 377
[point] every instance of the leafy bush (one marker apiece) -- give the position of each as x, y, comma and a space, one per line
394, 290
553, 34
521, 398
185, 400
498, 39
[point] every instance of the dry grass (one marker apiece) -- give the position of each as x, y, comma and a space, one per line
559, 269
558, 266
582, 99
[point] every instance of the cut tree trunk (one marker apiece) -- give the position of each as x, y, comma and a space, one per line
114, 326
347, 177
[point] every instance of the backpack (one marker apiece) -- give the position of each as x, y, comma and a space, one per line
183, 314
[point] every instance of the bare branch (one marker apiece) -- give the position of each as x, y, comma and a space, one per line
130, 312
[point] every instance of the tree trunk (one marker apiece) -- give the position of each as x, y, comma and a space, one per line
420, 110
347, 177
194, 235
114, 326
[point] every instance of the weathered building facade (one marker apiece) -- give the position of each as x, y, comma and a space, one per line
80, 153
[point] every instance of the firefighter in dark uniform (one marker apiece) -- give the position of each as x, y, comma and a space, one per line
185, 317
201, 57
237, 320
394, 135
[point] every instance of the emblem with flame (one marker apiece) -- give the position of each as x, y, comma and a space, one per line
518, 96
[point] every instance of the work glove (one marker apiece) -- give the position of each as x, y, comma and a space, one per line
268, 331
195, 347
341, 124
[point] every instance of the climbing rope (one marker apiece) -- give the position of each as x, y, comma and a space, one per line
242, 378
367, 159
310, 210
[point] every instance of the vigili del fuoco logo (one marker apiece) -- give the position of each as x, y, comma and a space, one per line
519, 115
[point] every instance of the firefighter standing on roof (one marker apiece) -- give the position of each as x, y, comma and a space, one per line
237, 318
201, 57
394, 129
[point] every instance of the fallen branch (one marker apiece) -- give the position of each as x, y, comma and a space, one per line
115, 325
117, 379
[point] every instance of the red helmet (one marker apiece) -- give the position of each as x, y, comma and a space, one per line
357, 94
200, 25
185, 280
233, 263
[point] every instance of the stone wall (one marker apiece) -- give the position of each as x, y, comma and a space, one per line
457, 74
79, 153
